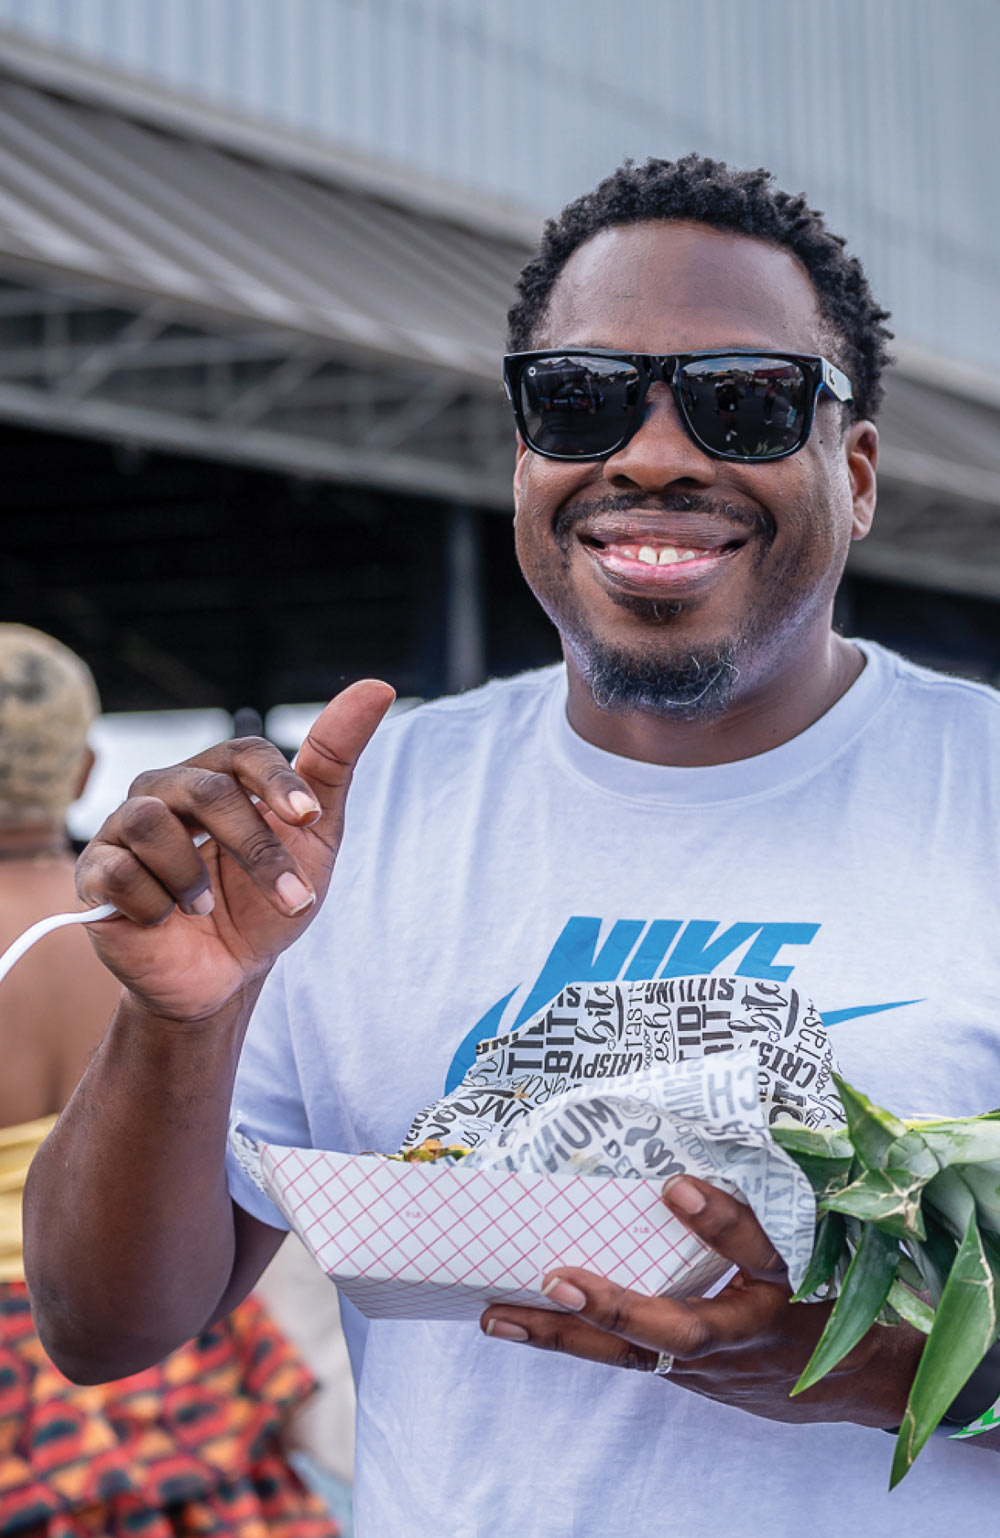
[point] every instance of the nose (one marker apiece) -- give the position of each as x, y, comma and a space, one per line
662, 452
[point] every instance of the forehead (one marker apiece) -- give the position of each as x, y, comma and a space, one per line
670, 286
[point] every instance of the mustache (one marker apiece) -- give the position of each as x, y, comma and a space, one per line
569, 516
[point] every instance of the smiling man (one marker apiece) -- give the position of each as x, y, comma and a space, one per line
715, 785
691, 578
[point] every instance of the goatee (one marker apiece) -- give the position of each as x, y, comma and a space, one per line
695, 687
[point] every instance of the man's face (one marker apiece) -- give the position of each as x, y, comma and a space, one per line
754, 552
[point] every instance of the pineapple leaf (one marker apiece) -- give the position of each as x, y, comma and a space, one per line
865, 1288
872, 1130
831, 1242
965, 1327
890, 1198
911, 1308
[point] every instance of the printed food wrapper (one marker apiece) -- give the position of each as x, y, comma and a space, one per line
597, 1033
574, 1122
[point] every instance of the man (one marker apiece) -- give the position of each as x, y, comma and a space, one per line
715, 782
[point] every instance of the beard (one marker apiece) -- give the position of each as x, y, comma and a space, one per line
670, 681
697, 686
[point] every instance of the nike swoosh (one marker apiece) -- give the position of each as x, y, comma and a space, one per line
835, 1016
483, 1029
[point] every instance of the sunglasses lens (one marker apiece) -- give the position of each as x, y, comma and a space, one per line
750, 408
577, 406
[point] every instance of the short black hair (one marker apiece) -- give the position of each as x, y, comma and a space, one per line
710, 192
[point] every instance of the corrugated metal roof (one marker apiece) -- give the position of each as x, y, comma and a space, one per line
94, 194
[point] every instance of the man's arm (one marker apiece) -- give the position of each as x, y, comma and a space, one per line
131, 1241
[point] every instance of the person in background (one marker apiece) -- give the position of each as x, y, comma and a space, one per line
191, 1445
319, 1438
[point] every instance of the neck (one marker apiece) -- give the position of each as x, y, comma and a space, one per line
763, 716
37, 841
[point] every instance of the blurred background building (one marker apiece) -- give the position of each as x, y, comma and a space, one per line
255, 258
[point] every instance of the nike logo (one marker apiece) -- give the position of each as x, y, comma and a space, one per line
836, 1016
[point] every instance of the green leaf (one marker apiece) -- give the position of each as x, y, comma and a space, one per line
818, 1142
911, 1308
983, 1180
933, 1256
910, 1274
824, 1154
991, 1247
972, 1140
872, 1129
824, 1175
865, 1289
964, 1329
948, 1196
910, 1152
890, 1198
831, 1242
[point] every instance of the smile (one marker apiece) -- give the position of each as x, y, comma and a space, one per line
653, 564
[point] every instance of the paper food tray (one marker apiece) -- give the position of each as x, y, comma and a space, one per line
419, 1241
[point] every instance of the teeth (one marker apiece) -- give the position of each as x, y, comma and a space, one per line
669, 554
666, 555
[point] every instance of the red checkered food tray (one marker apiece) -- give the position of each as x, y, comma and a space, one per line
434, 1241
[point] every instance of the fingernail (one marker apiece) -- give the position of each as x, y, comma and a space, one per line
294, 893
501, 1330
203, 903
685, 1195
304, 806
565, 1293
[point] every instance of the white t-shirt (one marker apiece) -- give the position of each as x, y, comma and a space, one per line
492, 856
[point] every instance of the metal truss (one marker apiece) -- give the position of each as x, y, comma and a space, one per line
75, 361
928, 537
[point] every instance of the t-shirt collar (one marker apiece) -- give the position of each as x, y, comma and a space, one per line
762, 774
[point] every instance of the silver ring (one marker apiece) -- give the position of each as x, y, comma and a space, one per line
664, 1364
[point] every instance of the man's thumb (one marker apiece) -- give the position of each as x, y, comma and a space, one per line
338, 737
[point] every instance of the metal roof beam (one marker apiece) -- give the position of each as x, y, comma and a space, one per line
283, 380
926, 472
937, 570
105, 360
164, 353
416, 413
407, 474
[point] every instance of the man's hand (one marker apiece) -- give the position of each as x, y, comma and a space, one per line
746, 1347
199, 924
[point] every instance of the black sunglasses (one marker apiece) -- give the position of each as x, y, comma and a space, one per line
587, 402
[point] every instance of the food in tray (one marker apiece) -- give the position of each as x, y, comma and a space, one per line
430, 1150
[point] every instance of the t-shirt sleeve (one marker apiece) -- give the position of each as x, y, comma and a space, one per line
267, 1098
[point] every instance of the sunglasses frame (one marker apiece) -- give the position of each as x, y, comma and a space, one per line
653, 367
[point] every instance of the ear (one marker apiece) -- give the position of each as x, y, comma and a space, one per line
519, 464
861, 450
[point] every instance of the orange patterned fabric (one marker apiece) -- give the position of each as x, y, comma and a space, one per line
187, 1447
